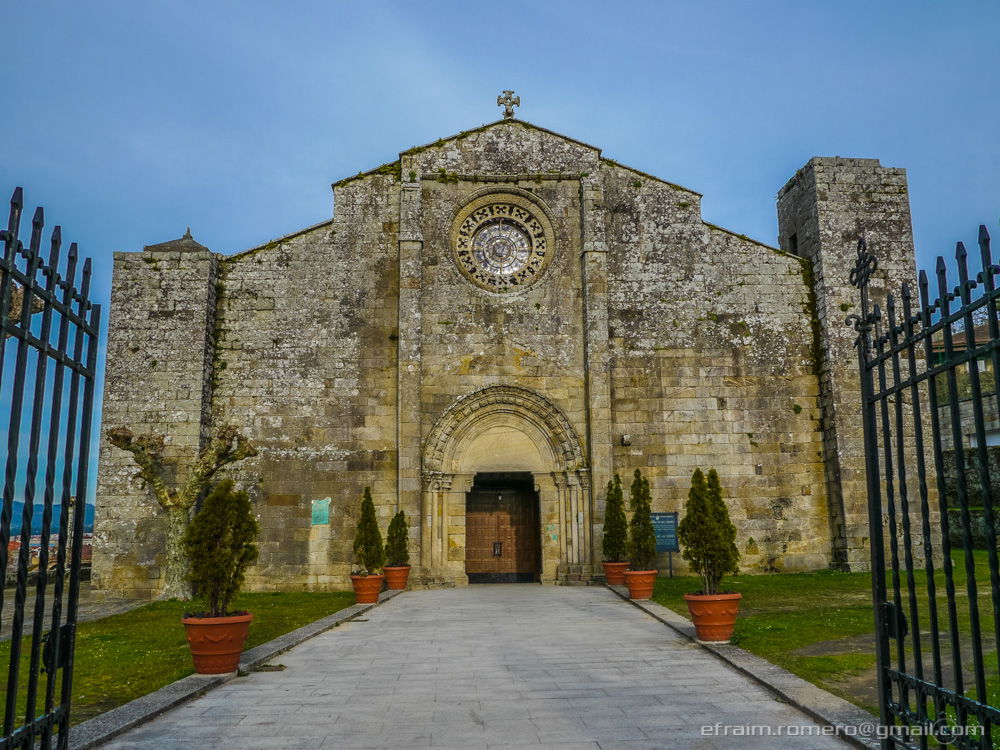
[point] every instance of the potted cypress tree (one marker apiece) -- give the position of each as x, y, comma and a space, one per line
220, 546
369, 554
615, 543
709, 540
397, 554
641, 574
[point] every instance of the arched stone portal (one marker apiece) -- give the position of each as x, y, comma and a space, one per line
506, 429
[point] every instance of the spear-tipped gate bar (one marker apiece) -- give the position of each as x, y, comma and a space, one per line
48, 357
930, 379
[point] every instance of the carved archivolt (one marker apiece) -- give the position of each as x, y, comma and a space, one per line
503, 400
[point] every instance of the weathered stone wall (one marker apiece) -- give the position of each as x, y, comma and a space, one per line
306, 362
713, 368
973, 484
471, 338
355, 353
158, 380
822, 211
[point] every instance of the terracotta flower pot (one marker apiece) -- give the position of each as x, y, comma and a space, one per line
640, 583
217, 642
614, 573
367, 588
714, 615
396, 576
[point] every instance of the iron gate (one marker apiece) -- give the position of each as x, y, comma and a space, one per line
930, 379
48, 357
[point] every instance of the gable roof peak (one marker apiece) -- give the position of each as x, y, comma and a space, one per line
511, 122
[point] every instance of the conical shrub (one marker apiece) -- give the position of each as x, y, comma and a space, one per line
706, 532
397, 553
642, 538
369, 554
219, 544
615, 543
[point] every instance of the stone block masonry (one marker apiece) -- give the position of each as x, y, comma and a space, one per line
159, 380
506, 303
822, 211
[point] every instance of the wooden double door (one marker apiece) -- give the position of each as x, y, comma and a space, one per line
502, 535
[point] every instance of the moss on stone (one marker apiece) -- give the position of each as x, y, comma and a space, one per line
815, 347
217, 366
389, 169
444, 176
253, 251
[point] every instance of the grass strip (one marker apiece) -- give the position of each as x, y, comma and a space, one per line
125, 656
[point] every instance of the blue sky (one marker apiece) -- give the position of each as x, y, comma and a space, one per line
130, 121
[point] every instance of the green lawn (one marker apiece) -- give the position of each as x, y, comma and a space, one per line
122, 657
820, 625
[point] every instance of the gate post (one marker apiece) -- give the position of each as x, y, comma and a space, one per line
863, 324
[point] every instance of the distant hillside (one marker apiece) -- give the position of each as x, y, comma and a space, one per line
36, 519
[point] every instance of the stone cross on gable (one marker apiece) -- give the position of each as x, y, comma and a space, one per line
508, 101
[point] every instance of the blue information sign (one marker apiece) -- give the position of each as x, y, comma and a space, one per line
665, 527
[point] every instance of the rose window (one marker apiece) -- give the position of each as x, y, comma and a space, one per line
501, 247
502, 243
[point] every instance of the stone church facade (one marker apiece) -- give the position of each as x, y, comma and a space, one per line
486, 331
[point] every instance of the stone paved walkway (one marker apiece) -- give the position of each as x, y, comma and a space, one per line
491, 666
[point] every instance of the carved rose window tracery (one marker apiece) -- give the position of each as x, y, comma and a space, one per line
501, 243
501, 247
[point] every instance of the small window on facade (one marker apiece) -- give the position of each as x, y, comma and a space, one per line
793, 243
992, 438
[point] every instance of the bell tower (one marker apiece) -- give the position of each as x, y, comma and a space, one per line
822, 211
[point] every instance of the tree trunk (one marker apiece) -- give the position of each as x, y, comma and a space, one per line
176, 569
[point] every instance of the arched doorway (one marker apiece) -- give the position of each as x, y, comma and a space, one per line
502, 535
505, 455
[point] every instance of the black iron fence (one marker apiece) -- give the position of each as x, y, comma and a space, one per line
48, 356
927, 367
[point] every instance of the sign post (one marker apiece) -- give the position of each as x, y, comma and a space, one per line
665, 528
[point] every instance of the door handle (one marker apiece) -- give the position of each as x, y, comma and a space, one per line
497, 549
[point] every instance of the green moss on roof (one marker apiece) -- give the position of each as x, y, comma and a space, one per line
275, 243
710, 225
514, 122
648, 176
389, 169
394, 168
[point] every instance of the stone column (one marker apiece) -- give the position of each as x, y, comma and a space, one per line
550, 525
590, 553
597, 354
559, 483
453, 514
408, 428
434, 486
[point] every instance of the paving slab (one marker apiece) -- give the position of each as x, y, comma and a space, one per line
490, 666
